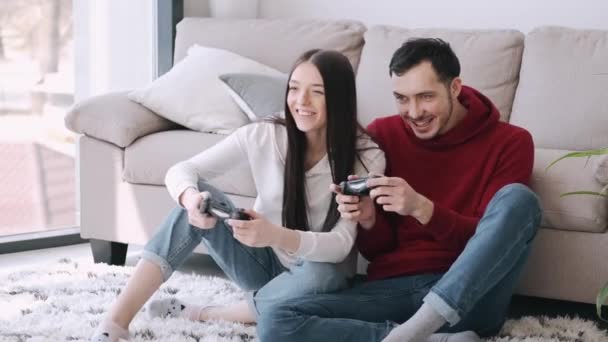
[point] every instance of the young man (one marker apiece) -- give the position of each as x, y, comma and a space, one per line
447, 230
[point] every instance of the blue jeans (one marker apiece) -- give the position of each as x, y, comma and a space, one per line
474, 294
256, 270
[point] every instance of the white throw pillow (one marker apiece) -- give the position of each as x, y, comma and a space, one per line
192, 95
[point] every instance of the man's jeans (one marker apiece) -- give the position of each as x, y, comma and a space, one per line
474, 294
256, 270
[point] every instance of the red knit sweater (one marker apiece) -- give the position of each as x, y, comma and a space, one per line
460, 171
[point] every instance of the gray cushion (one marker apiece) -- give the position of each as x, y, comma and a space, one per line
114, 118
561, 97
489, 61
257, 95
273, 42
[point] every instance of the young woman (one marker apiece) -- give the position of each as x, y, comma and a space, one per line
296, 243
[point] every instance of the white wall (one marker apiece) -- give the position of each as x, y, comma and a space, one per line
196, 8
114, 45
477, 14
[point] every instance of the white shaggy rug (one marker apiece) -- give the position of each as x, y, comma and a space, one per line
65, 301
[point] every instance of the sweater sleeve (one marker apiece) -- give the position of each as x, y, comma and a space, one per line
514, 166
209, 164
334, 246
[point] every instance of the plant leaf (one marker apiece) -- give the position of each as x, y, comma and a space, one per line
588, 153
594, 193
601, 299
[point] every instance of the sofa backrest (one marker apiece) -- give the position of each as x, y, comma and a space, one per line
555, 90
274, 42
561, 98
561, 101
490, 61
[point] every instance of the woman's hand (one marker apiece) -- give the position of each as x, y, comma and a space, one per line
191, 199
257, 232
355, 208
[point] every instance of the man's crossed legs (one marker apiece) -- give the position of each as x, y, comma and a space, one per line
474, 294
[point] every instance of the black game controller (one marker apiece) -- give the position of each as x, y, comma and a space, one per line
356, 187
240, 214
221, 210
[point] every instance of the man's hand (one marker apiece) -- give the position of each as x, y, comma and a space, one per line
359, 209
396, 195
257, 232
191, 200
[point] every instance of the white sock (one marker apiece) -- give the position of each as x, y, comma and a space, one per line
173, 307
108, 331
465, 336
419, 327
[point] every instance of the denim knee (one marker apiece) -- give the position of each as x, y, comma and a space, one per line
173, 242
517, 200
321, 277
274, 325
306, 278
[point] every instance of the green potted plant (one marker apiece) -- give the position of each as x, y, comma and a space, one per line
602, 296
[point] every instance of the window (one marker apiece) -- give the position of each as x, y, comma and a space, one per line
37, 154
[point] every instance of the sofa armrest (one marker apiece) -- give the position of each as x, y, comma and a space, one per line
114, 118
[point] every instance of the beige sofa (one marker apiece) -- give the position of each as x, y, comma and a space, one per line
550, 81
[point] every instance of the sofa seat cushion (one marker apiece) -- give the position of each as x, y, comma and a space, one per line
489, 60
583, 213
561, 97
147, 160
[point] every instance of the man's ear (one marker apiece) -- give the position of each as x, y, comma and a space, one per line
456, 87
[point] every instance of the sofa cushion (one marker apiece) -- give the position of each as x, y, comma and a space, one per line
273, 42
600, 167
561, 97
114, 118
147, 160
192, 94
489, 59
257, 95
575, 212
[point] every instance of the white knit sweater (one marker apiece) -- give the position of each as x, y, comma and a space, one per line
263, 146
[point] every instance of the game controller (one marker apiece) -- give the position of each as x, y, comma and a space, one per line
240, 214
221, 210
356, 187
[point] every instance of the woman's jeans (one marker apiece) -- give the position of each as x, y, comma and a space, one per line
256, 270
474, 294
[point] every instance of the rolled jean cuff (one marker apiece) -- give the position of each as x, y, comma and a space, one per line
165, 268
442, 308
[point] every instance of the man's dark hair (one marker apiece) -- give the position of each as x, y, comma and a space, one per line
433, 50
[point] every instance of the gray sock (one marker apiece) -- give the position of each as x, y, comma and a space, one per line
173, 307
167, 307
465, 336
419, 327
